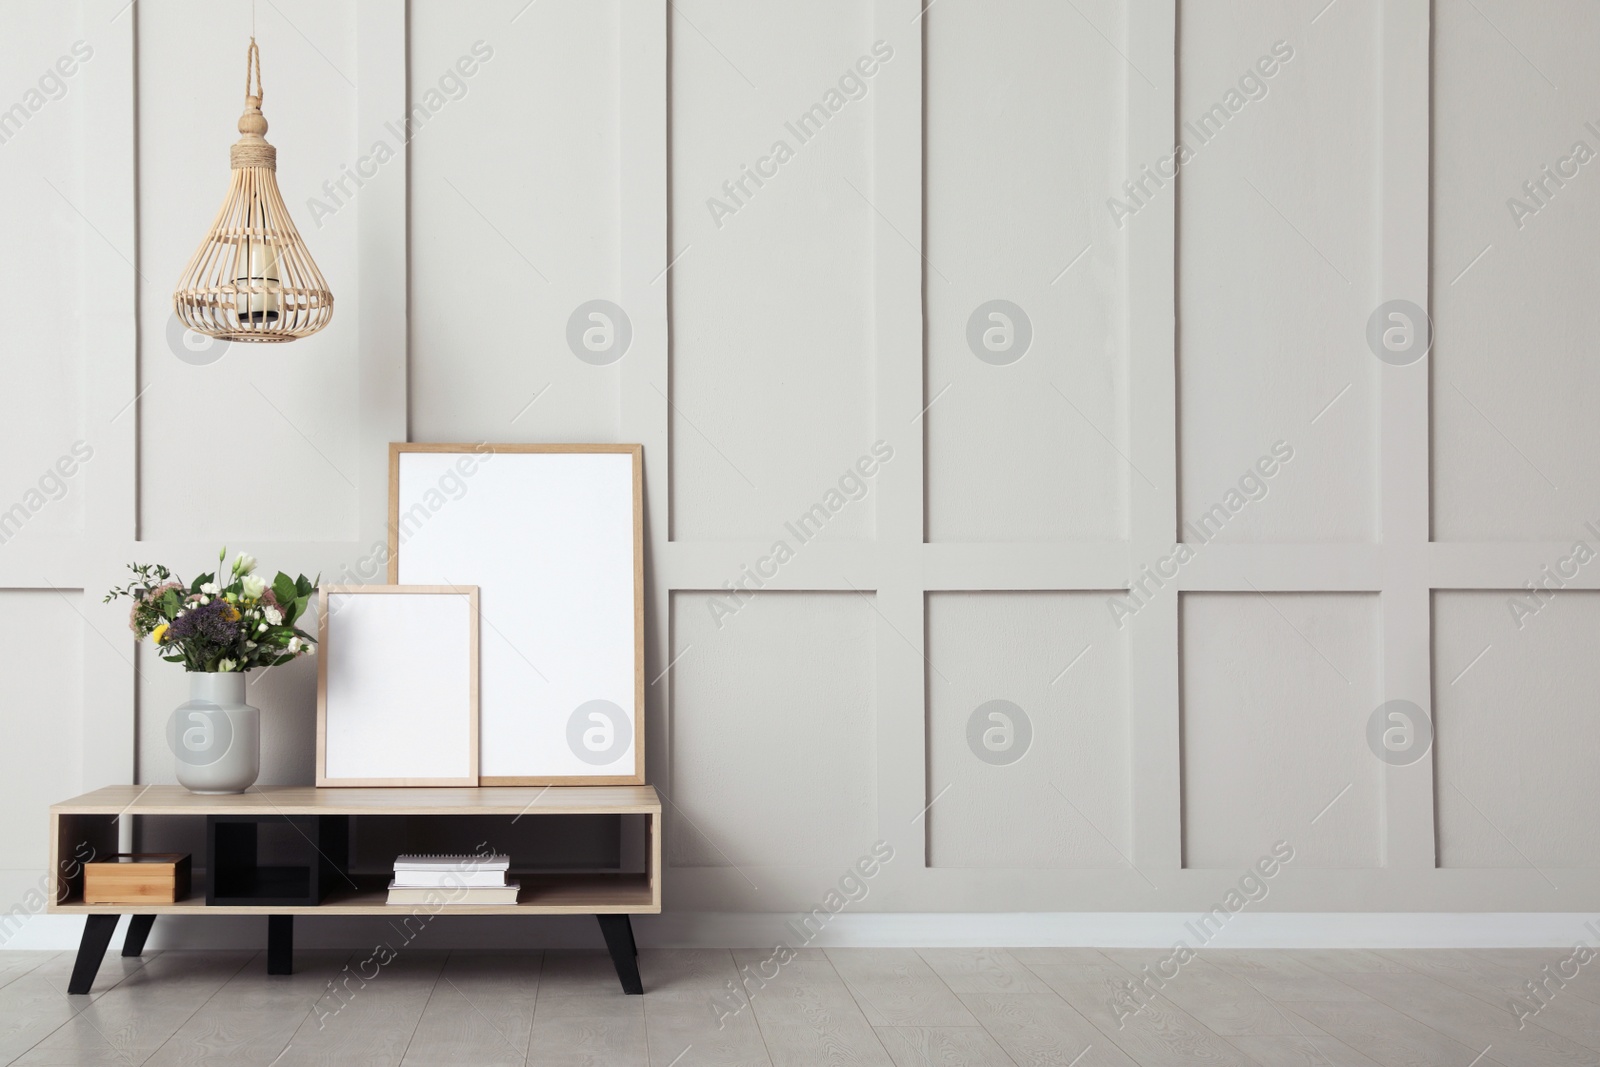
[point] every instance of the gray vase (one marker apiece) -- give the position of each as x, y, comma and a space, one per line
216, 737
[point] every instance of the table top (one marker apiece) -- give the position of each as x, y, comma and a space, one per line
309, 800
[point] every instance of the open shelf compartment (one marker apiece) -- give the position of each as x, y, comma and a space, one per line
317, 882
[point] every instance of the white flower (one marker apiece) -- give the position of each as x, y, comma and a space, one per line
226, 665
210, 589
294, 644
261, 628
244, 564
272, 615
252, 586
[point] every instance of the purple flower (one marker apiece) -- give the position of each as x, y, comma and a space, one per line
207, 623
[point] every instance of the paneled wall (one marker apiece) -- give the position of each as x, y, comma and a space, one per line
66, 419
1050, 469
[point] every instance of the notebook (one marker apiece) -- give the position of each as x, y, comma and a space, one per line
427, 879
455, 897
486, 862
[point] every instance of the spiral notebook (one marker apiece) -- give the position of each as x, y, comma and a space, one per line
497, 861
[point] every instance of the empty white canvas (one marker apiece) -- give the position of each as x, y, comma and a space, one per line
548, 537
398, 699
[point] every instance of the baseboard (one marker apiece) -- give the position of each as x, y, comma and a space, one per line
1157, 930
1139, 930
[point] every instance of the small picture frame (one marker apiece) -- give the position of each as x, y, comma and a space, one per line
397, 685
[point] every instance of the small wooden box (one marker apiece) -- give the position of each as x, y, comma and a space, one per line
137, 878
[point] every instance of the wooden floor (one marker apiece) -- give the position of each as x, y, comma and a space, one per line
854, 1006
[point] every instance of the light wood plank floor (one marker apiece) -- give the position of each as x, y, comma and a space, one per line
888, 1007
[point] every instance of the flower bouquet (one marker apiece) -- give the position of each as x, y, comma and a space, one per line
219, 626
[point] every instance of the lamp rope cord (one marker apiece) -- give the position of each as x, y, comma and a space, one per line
252, 150
253, 57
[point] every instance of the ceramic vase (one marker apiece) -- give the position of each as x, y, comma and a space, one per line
215, 736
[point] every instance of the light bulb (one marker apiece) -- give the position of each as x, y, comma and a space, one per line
261, 266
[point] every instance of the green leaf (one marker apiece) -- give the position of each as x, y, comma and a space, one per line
284, 589
299, 607
303, 587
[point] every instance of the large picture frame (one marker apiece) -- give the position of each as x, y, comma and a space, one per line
397, 685
553, 535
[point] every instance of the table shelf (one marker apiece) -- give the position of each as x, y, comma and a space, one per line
543, 894
88, 826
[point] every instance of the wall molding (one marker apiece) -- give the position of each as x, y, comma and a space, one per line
899, 567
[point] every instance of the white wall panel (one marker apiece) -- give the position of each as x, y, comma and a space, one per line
772, 305
1025, 120
1052, 789
514, 218
260, 442
1276, 692
1514, 699
40, 635
44, 272
773, 731
1277, 269
1514, 384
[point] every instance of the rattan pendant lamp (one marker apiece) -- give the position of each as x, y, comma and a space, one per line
252, 278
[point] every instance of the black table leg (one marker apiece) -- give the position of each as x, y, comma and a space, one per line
280, 944
97, 931
138, 929
618, 931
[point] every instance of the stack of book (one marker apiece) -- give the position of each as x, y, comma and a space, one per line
452, 880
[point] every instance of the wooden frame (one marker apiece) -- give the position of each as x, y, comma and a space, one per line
324, 614
398, 449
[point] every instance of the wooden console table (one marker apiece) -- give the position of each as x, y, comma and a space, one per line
88, 826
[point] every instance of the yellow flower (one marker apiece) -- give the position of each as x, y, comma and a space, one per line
158, 633
230, 613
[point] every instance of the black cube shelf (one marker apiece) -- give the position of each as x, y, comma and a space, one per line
310, 856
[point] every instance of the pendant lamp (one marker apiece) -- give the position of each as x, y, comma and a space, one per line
252, 278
